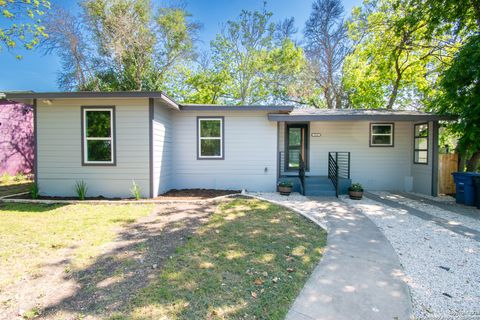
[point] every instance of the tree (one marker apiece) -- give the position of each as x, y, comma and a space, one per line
23, 24
122, 45
66, 37
457, 16
326, 48
397, 60
461, 97
255, 58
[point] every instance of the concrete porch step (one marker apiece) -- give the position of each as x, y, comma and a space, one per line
319, 186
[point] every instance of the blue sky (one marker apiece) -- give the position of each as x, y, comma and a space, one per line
39, 72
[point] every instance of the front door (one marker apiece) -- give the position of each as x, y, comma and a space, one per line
296, 146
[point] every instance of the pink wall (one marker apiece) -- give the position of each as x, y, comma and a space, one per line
16, 138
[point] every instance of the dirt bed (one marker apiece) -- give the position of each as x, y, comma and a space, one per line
194, 194
183, 194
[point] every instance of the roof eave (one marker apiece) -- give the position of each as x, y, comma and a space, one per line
201, 107
93, 95
302, 118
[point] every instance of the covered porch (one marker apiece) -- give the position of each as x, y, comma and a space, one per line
324, 151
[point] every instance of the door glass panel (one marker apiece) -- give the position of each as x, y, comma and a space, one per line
295, 136
421, 156
294, 158
421, 143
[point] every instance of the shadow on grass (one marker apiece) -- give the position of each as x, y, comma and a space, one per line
6, 190
250, 259
28, 207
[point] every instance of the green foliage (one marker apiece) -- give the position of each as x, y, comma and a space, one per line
19, 177
136, 191
356, 187
248, 64
285, 184
458, 17
122, 45
81, 189
397, 61
461, 95
21, 23
34, 191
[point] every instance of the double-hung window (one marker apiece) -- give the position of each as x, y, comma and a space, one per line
210, 137
98, 143
381, 134
420, 152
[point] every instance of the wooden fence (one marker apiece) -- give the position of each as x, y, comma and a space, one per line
447, 163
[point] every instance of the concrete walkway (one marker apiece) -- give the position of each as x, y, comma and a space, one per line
359, 277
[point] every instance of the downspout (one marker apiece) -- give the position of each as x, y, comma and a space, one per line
278, 155
150, 134
35, 139
435, 128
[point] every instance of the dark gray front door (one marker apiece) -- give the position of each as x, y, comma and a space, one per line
296, 146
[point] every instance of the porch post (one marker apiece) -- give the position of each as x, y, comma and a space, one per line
278, 154
435, 128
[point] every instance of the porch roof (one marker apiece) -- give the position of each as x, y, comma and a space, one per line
313, 114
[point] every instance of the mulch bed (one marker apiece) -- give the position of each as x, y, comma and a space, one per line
183, 194
194, 194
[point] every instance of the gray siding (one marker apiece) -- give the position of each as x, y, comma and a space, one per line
250, 152
422, 173
376, 168
162, 148
59, 149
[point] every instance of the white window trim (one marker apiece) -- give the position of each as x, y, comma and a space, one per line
381, 134
85, 138
200, 138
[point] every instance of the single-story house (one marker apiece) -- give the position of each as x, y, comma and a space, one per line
109, 139
16, 138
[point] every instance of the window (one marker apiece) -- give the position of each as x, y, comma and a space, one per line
420, 154
381, 135
98, 136
210, 138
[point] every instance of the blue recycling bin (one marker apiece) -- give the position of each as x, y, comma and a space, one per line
465, 190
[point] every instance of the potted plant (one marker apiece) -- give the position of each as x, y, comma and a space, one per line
355, 191
285, 188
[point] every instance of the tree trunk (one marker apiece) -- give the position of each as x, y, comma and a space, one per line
474, 162
394, 94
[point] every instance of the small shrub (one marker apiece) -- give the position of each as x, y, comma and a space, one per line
19, 177
285, 184
34, 191
81, 189
136, 190
356, 187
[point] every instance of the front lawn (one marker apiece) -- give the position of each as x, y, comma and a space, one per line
249, 261
235, 259
32, 235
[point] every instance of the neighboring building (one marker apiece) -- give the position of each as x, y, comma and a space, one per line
110, 139
16, 138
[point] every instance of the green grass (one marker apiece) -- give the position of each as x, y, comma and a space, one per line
249, 261
32, 234
14, 184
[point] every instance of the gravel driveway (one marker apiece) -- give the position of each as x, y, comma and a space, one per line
439, 250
